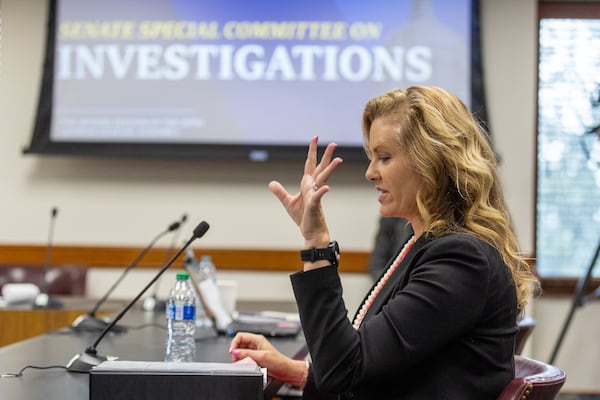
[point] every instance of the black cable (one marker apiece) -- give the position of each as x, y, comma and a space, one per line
20, 373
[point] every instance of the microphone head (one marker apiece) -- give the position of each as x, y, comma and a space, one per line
54, 211
174, 226
177, 224
201, 229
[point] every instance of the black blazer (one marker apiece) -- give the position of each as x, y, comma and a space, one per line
443, 327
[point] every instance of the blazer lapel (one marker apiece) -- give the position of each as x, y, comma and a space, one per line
398, 280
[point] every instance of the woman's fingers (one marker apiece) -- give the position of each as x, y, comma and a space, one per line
292, 204
328, 162
257, 347
325, 167
244, 340
305, 207
279, 191
240, 354
311, 157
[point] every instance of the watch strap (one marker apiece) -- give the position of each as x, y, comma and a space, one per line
329, 253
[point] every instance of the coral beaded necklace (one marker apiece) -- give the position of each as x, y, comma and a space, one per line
381, 283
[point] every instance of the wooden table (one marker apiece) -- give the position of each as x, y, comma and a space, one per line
20, 323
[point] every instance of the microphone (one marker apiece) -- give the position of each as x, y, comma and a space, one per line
43, 299
85, 361
151, 303
90, 322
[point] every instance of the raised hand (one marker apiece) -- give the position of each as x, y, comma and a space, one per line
305, 207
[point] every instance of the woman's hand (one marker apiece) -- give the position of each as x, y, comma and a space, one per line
305, 207
279, 366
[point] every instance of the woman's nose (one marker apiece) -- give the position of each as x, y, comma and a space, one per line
370, 172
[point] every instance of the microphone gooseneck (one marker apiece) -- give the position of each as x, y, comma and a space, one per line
151, 303
90, 322
85, 361
49, 246
43, 300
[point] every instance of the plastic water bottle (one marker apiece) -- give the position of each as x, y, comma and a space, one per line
207, 269
181, 321
207, 276
204, 324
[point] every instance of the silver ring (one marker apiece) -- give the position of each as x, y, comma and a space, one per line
315, 186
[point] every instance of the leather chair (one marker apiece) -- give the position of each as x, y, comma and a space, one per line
534, 380
526, 326
62, 279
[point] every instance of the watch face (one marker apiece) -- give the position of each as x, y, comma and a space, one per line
336, 252
336, 248
333, 251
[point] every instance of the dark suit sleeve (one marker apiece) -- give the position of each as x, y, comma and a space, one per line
441, 298
311, 392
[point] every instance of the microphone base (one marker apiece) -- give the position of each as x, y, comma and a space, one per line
154, 304
90, 323
43, 300
84, 362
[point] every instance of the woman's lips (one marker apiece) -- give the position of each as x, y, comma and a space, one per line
382, 194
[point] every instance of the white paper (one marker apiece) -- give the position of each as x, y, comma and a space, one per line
204, 368
212, 299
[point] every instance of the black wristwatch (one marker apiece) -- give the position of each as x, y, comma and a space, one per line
330, 253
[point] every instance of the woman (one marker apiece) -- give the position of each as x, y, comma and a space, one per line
441, 321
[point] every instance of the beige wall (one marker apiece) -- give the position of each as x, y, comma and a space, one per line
127, 202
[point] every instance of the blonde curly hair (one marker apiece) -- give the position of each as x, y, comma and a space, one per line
461, 191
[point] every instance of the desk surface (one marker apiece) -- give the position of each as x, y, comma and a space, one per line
144, 341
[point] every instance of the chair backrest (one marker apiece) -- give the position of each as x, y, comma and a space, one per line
534, 380
526, 326
61, 279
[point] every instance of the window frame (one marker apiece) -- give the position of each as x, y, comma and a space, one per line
562, 285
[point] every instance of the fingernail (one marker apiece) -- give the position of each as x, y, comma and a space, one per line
235, 352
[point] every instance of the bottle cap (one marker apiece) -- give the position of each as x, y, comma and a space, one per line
182, 276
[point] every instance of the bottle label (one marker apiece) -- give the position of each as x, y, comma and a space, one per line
181, 312
189, 312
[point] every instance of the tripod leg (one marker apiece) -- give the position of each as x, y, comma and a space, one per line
582, 284
563, 332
